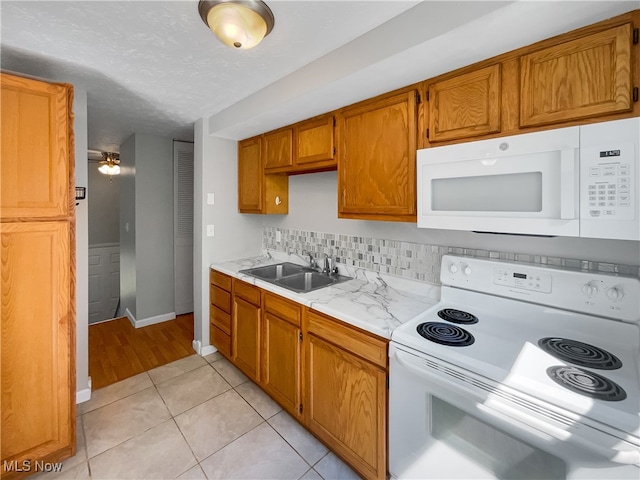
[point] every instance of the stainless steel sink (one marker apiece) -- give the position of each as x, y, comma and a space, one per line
295, 277
273, 272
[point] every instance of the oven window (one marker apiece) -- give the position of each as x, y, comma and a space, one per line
494, 451
513, 192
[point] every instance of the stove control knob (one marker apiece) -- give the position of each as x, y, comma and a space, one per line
467, 270
615, 294
453, 268
589, 289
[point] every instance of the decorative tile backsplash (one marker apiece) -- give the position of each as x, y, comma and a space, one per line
406, 259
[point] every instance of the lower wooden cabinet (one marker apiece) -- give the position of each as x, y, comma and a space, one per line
281, 352
330, 376
346, 397
246, 327
220, 312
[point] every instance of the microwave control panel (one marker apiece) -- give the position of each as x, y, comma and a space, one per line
607, 182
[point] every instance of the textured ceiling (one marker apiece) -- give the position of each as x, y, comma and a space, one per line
153, 66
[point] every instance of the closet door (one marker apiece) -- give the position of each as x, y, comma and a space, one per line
183, 226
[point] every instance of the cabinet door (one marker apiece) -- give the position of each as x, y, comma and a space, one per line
377, 159
314, 143
36, 147
346, 406
281, 362
246, 337
582, 78
38, 342
278, 149
467, 105
250, 176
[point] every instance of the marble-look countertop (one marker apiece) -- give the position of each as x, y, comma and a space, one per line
372, 301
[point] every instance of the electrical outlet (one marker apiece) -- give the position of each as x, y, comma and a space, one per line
278, 236
211, 231
210, 199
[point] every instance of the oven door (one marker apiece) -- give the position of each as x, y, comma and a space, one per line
525, 184
444, 424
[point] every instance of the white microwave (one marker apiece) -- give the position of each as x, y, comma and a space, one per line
573, 182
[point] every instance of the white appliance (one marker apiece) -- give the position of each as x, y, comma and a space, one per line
576, 181
519, 371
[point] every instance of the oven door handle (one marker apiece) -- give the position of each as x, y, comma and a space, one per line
508, 415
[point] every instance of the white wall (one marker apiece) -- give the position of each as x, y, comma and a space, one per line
236, 235
83, 390
313, 205
104, 207
128, 226
154, 226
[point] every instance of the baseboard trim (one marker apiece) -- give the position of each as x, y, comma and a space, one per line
130, 316
83, 395
208, 350
145, 322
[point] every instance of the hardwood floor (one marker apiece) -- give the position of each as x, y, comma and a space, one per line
117, 350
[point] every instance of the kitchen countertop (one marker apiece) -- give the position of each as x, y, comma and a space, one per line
375, 302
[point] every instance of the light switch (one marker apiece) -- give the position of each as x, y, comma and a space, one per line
210, 199
210, 231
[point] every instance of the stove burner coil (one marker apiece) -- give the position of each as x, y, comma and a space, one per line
578, 353
445, 334
587, 383
457, 316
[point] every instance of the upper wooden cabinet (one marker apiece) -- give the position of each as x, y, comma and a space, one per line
278, 149
258, 192
36, 144
377, 159
466, 105
586, 77
314, 143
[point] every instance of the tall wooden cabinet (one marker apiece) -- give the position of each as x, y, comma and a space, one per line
38, 274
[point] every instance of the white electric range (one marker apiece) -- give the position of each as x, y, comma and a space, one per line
519, 371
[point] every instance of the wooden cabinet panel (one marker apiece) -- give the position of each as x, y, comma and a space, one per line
582, 78
278, 149
250, 176
246, 337
248, 292
258, 192
467, 105
220, 328
36, 145
38, 342
346, 406
314, 143
220, 279
219, 339
281, 362
377, 159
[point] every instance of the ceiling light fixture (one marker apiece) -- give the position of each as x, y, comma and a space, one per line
110, 164
237, 23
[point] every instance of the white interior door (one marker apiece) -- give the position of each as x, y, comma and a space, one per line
183, 225
104, 281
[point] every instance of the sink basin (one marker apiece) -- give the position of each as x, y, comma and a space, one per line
305, 282
294, 277
274, 272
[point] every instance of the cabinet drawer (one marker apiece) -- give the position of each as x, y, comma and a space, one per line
220, 298
283, 308
220, 319
220, 279
220, 340
369, 347
243, 290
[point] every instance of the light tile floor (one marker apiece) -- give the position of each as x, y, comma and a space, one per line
196, 418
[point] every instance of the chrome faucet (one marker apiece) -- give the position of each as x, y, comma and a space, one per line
329, 268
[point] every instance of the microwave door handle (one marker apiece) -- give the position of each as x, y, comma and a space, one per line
568, 183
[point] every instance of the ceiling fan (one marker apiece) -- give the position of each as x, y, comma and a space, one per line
109, 161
